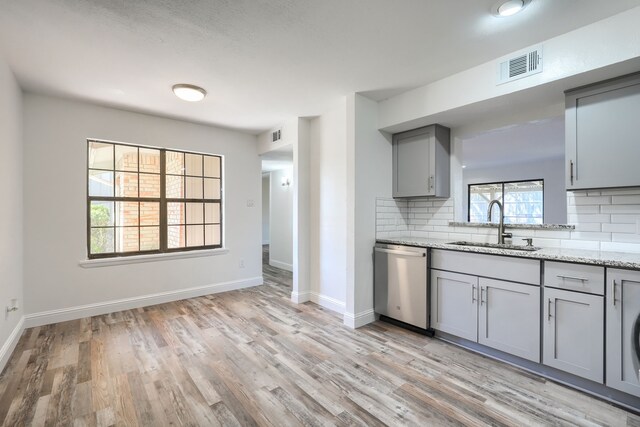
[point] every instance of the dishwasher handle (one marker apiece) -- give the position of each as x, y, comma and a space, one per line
406, 253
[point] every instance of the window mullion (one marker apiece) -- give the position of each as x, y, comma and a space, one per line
164, 230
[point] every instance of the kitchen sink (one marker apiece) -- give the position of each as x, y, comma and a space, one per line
497, 246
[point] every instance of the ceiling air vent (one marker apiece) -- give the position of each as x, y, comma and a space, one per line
524, 64
276, 136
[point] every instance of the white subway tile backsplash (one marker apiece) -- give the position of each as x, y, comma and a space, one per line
588, 218
619, 247
625, 237
626, 200
580, 244
598, 200
546, 243
590, 226
620, 228
583, 209
625, 219
459, 236
607, 220
587, 235
438, 235
628, 209
553, 234
620, 192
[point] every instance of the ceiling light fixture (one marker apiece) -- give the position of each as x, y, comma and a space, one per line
189, 93
509, 8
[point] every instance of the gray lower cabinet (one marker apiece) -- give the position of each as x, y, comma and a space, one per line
623, 330
421, 162
454, 304
573, 331
499, 314
509, 318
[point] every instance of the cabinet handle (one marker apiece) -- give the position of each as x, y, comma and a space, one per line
473, 293
549, 309
613, 292
571, 168
572, 278
482, 301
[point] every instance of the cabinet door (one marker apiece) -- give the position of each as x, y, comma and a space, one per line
509, 318
623, 330
414, 163
602, 134
454, 304
573, 329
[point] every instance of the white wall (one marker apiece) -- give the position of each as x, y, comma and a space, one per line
281, 221
328, 207
301, 291
370, 176
551, 170
55, 205
265, 208
11, 210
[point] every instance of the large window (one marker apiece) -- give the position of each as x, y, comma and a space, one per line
151, 200
523, 201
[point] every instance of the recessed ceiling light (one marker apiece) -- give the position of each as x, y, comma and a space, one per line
509, 7
189, 93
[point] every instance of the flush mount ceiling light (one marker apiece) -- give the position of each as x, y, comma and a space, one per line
189, 93
508, 8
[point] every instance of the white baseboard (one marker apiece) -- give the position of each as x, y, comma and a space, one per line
327, 302
322, 300
79, 312
301, 297
10, 344
360, 319
282, 265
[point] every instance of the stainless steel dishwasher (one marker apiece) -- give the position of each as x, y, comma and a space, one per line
400, 284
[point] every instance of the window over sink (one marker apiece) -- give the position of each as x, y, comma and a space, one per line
523, 201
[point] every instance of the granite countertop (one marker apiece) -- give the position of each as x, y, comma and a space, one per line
514, 226
607, 259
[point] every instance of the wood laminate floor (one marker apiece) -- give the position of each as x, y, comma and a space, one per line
252, 357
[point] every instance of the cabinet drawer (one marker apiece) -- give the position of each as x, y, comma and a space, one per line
521, 270
575, 277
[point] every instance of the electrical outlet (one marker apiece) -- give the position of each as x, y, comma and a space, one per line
250, 203
11, 308
241, 263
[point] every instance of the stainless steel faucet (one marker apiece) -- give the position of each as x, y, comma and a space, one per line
501, 234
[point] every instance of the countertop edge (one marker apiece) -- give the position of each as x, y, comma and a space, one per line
596, 259
560, 227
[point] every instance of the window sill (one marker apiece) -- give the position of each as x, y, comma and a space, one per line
138, 259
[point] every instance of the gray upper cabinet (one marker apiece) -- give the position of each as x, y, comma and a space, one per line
603, 134
421, 162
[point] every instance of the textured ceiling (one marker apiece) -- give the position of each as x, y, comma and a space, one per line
263, 61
